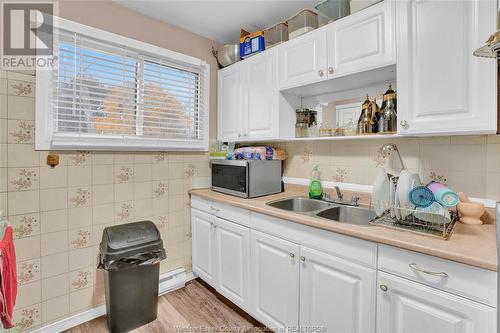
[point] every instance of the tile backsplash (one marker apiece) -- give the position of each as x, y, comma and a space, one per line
58, 214
466, 163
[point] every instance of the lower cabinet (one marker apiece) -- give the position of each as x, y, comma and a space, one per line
410, 307
221, 256
295, 286
275, 286
203, 246
290, 285
233, 260
336, 294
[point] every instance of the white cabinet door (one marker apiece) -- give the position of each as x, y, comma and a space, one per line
233, 260
362, 41
336, 294
275, 280
442, 87
261, 96
230, 105
409, 307
204, 259
303, 60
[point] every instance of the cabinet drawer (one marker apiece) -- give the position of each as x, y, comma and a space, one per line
464, 280
357, 250
223, 211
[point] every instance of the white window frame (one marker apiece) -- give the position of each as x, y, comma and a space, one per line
45, 139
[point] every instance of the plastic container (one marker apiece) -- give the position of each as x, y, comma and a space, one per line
276, 34
304, 21
357, 5
332, 10
130, 255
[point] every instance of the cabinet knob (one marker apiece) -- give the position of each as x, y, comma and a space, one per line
404, 124
302, 258
383, 287
292, 255
330, 70
321, 73
239, 135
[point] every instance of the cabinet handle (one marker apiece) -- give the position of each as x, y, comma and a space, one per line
383, 287
214, 210
418, 269
302, 258
239, 135
321, 73
292, 255
404, 124
330, 70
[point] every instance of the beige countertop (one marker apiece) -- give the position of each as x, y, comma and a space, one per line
472, 245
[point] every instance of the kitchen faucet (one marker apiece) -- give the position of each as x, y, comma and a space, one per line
340, 198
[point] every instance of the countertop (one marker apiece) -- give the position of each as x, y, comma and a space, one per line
472, 245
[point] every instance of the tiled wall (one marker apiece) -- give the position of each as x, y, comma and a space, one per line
466, 163
59, 213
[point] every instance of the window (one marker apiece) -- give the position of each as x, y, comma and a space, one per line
112, 92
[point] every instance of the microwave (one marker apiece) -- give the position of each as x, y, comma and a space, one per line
246, 178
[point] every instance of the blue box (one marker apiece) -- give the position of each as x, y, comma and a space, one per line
252, 44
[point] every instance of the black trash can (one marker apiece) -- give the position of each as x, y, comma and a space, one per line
130, 255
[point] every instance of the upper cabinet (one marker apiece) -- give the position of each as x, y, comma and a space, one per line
363, 41
442, 87
303, 60
229, 97
353, 44
261, 97
250, 106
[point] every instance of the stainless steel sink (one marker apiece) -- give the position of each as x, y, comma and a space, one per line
348, 214
299, 204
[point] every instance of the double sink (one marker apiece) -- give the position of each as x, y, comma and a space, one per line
323, 209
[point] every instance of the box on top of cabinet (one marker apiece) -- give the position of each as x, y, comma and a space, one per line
251, 43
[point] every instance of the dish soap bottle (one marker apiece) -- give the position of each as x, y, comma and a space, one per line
315, 187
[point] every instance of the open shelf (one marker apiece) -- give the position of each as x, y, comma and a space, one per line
349, 137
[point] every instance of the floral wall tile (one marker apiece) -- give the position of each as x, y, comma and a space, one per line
23, 179
162, 222
341, 175
381, 157
124, 173
437, 177
81, 278
27, 319
79, 197
307, 155
25, 225
81, 157
124, 211
21, 131
160, 157
20, 88
28, 271
160, 189
190, 170
80, 238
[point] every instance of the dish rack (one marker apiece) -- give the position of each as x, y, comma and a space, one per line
411, 223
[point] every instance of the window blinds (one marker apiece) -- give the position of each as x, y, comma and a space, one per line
103, 90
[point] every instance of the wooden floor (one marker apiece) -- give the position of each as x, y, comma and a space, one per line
195, 308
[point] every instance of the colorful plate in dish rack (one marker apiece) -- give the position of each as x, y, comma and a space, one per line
381, 192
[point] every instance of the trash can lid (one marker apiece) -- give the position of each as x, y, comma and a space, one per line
130, 239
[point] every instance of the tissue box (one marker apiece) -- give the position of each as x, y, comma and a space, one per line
251, 43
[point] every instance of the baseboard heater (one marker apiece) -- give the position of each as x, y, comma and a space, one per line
169, 281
